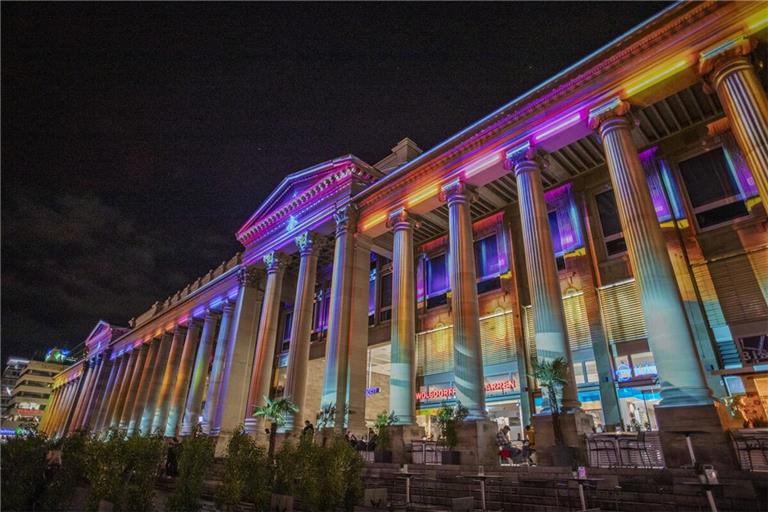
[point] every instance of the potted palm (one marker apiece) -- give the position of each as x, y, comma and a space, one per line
552, 375
447, 419
382, 451
276, 412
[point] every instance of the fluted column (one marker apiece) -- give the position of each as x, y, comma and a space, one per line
357, 357
50, 409
63, 413
91, 398
217, 370
182, 377
108, 394
337, 346
467, 348
82, 396
134, 421
746, 105
301, 328
238, 359
199, 374
265, 340
403, 326
170, 374
550, 332
122, 391
56, 412
154, 389
669, 336
133, 386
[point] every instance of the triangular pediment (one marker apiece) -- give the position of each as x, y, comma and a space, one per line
303, 188
103, 333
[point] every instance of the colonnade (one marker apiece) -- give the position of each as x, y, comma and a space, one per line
161, 384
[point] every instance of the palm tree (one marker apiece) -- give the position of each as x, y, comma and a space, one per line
276, 412
553, 375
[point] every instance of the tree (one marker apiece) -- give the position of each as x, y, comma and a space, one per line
276, 412
553, 375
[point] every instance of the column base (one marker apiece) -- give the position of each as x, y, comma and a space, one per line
251, 425
710, 441
400, 437
186, 429
573, 424
477, 442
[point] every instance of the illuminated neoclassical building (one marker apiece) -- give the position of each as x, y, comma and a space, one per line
614, 216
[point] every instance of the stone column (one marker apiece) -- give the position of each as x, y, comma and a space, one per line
217, 370
122, 390
134, 421
154, 389
91, 413
686, 401
199, 374
265, 341
669, 336
301, 329
182, 377
106, 395
97, 384
160, 418
238, 358
63, 412
745, 103
50, 409
81, 398
467, 349
550, 332
357, 369
133, 386
402, 399
337, 346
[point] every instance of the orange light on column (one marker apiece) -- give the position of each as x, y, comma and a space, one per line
374, 220
655, 76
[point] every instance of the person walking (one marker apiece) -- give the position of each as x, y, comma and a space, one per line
504, 444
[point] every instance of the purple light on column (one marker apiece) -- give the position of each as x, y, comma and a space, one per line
650, 165
420, 277
739, 167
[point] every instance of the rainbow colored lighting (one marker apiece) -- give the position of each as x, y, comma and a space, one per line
758, 22
374, 221
656, 76
481, 164
557, 126
605, 107
421, 195
517, 150
725, 45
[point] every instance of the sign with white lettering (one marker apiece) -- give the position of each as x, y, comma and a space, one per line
499, 387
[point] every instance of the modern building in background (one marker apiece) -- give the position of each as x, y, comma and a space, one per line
31, 390
614, 216
11, 372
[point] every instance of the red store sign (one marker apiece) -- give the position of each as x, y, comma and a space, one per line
501, 385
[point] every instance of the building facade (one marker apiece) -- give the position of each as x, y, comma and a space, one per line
11, 372
31, 392
614, 216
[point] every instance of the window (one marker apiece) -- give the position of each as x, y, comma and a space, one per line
372, 296
385, 297
437, 275
712, 188
754, 349
591, 373
486, 257
554, 229
609, 221
287, 325
578, 373
643, 365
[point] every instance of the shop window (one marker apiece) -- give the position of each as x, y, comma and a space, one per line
754, 349
591, 371
578, 372
287, 325
643, 365
712, 188
486, 257
610, 224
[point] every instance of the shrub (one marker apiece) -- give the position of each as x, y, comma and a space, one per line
23, 472
123, 470
448, 418
247, 475
196, 457
60, 489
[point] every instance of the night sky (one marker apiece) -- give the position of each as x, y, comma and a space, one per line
137, 138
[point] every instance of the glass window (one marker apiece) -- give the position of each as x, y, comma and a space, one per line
486, 257
385, 292
437, 275
554, 229
591, 367
609, 222
372, 293
712, 188
578, 372
287, 324
643, 364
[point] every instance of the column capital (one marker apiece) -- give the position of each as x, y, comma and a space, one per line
249, 277
526, 159
457, 191
717, 60
346, 218
617, 109
309, 243
402, 219
275, 261
227, 306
